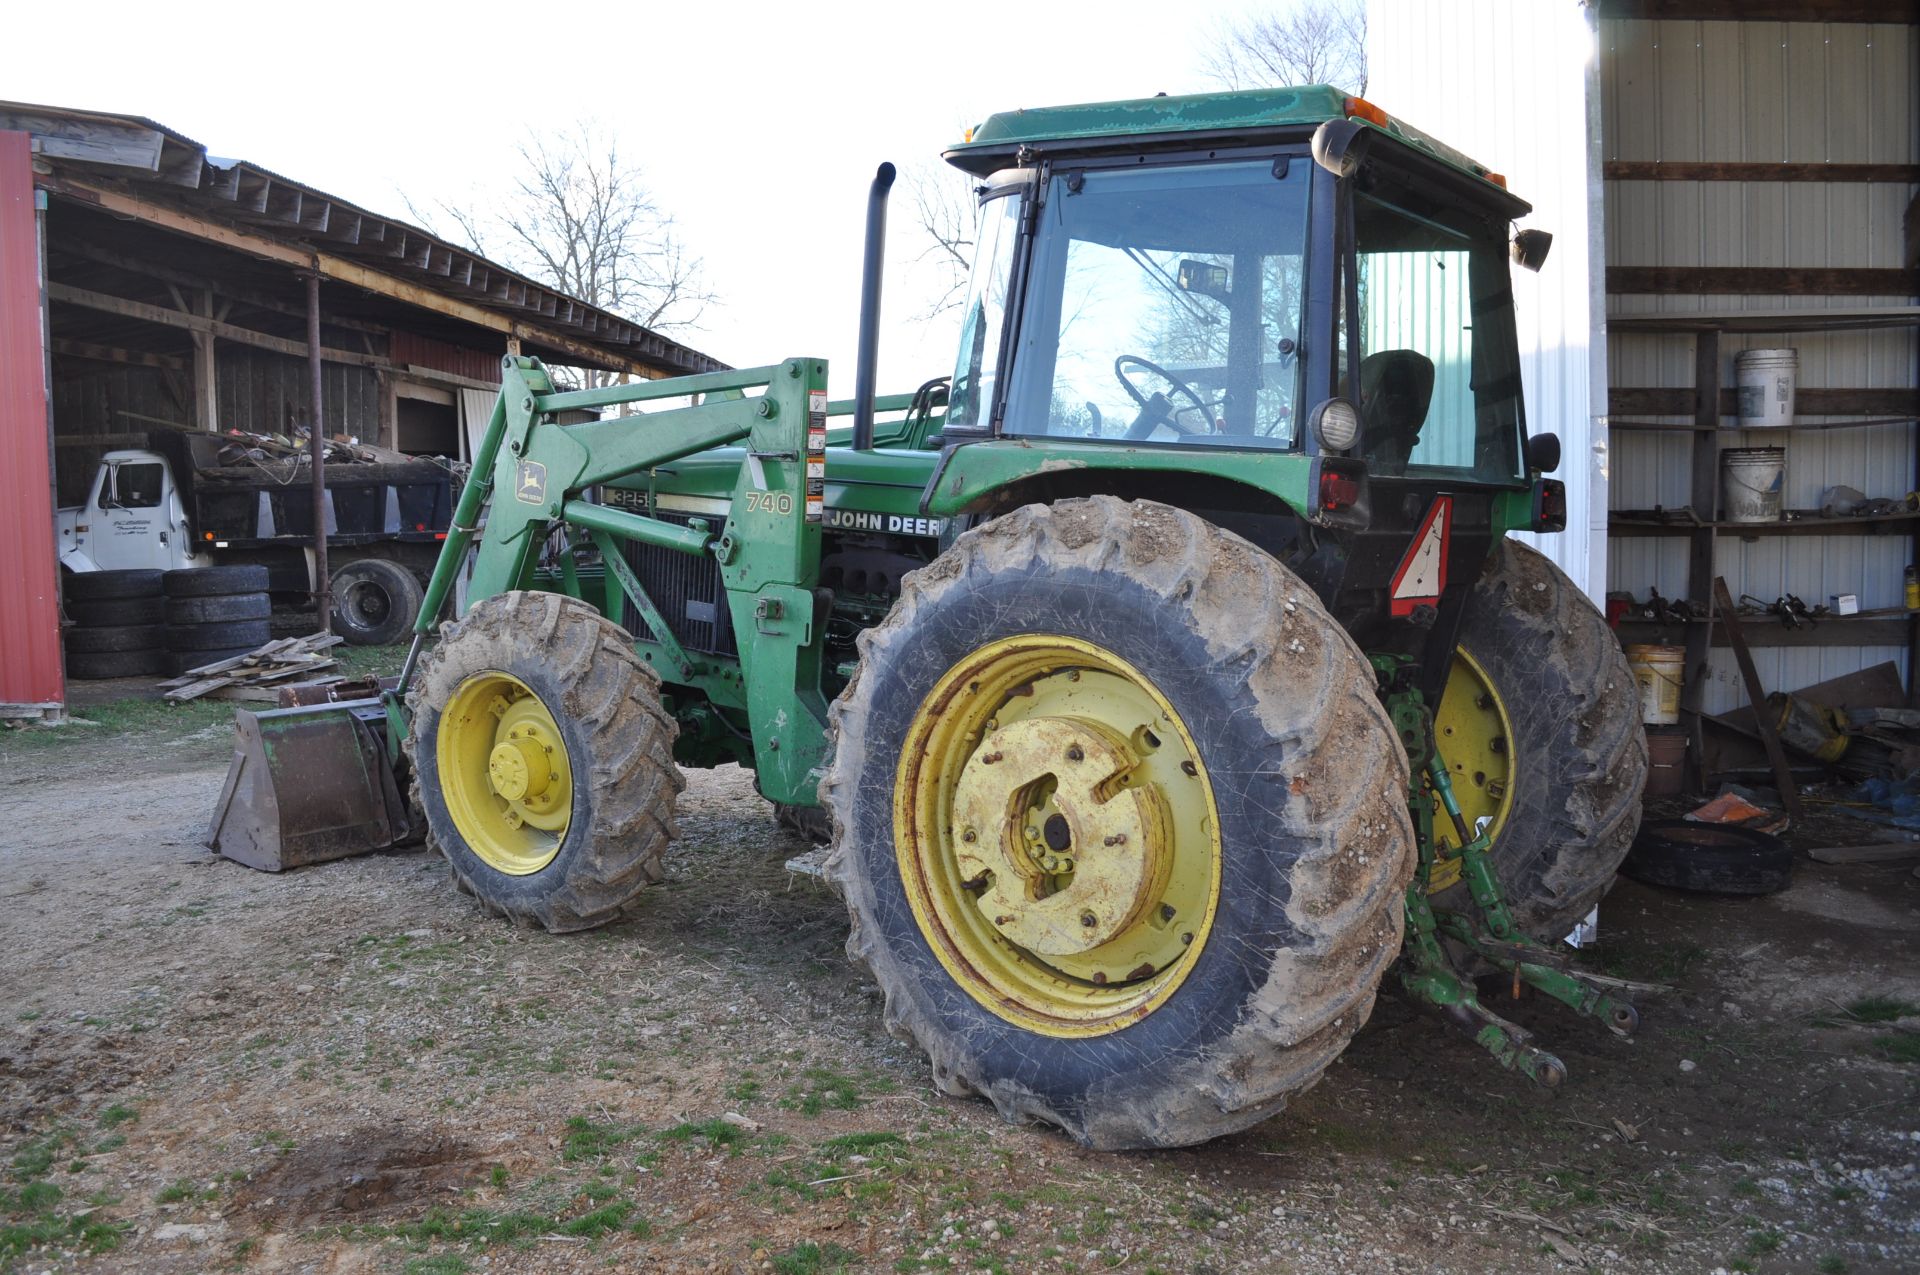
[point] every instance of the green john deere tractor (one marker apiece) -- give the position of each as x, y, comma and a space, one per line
1160, 680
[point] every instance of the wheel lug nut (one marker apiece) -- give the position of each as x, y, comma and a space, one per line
1074, 753
1089, 920
1100, 976
1166, 911
1186, 940
1188, 768
1117, 839
969, 836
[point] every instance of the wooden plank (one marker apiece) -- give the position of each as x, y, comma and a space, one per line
1654, 170
1878, 852
1817, 281
1790, 319
87, 139
1651, 522
1647, 400
1767, 631
114, 354
1897, 11
199, 324
1704, 483
1757, 697
86, 251
1716, 427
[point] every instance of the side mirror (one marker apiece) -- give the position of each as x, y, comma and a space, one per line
1207, 278
1530, 248
1340, 146
1543, 453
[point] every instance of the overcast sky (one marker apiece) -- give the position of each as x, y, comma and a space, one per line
758, 125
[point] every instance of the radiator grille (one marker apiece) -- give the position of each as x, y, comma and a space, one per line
687, 589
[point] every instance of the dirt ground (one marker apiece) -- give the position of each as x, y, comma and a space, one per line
351, 1068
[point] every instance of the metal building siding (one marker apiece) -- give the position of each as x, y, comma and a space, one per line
1511, 82
409, 349
1756, 92
30, 669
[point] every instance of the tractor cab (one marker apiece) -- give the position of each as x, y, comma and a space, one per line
1289, 297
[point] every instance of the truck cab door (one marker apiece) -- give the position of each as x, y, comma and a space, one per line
133, 524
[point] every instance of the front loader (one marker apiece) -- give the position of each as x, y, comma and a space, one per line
1162, 679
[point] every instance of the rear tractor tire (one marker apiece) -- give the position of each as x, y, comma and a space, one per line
1120, 823
544, 761
1540, 728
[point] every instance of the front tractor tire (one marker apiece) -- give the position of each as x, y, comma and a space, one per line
1120, 823
544, 761
1540, 728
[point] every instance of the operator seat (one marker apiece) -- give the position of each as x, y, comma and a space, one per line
1396, 389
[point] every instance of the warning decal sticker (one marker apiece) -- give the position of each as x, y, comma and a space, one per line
1422, 575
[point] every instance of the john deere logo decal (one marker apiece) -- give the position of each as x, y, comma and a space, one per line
530, 483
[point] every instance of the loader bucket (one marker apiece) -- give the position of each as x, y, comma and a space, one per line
307, 785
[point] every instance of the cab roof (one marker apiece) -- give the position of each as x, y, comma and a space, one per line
1094, 127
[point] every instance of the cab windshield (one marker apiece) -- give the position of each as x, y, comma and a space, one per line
1164, 305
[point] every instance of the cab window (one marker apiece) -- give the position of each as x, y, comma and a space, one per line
136, 485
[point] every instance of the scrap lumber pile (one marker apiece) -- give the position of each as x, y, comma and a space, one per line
260, 673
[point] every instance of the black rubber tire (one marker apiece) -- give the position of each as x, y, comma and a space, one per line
809, 823
1579, 747
375, 602
93, 666
606, 701
208, 637
117, 612
102, 585
1317, 845
219, 608
208, 582
179, 662
1709, 858
95, 641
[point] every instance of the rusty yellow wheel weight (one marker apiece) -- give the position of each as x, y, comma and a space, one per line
505, 773
1474, 736
1057, 836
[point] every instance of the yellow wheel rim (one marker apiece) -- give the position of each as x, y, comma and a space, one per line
1474, 736
505, 773
1057, 836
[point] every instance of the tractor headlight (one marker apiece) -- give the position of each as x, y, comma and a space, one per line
1335, 424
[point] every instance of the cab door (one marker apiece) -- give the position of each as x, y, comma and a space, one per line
134, 525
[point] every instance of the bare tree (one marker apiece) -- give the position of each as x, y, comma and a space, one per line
1305, 42
944, 205
579, 217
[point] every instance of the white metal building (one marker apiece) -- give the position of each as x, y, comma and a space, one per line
1699, 161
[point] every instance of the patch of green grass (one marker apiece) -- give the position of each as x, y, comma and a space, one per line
1832, 1265
1878, 1009
717, 1132
115, 719
31, 1222
436, 1264
819, 1089
116, 1115
811, 1259
185, 1190
497, 1175
35, 1157
589, 1141
1746, 1187
608, 1217
1903, 1047
1657, 962
862, 1141
1761, 1243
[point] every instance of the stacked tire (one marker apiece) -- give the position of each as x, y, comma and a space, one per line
118, 625
214, 614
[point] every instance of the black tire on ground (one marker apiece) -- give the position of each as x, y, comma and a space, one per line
179, 662
1579, 749
619, 740
1709, 858
1309, 793
89, 666
207, 582
809, 823
208, 637
133, 637
374, 601
117, 612
100, 585
219, 608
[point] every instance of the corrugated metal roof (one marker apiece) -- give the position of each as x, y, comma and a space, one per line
132, 153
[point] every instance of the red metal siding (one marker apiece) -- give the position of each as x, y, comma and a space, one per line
30, 669
442, 357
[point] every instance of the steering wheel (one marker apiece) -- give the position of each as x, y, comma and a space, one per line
1154, 414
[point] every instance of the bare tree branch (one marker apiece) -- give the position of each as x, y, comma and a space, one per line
580, 218
944, 205
1306, 42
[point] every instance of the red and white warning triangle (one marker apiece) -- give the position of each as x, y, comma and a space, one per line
1422, 576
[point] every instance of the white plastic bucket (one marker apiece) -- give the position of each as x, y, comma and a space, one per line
1750, 482
1766, 379
1658, 671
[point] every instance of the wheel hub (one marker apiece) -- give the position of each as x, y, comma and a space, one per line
1070, 852
505, 773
